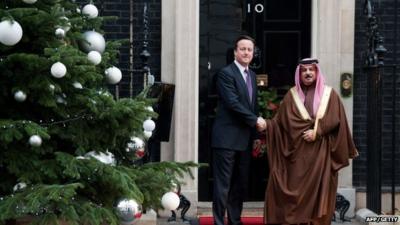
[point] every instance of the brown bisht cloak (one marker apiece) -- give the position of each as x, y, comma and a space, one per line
303, 175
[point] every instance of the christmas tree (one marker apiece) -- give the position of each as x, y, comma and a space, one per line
68, 146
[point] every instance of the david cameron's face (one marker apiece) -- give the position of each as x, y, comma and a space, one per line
244, 52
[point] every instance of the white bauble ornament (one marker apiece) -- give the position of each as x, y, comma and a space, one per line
19, 186
10, 32
61, 100
29, 1
149, 108
147, 134
58, 70
66, 25
129, 211
92, 41
94, 57
77, 85
106, 158
149, 125
113, 75
60, 33
170, 201
90, 11
35, 141
20, 96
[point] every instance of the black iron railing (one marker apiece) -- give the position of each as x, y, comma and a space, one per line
374, 60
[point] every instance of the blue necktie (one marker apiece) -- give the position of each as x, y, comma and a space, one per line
248, 84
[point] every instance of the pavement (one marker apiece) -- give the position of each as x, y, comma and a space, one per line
194, 221
256, 209
249, 209
351, 222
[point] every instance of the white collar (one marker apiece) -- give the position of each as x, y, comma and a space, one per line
241, 68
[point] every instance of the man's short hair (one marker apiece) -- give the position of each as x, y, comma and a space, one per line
244, 37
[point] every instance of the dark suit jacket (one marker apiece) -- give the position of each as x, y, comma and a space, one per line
234, 125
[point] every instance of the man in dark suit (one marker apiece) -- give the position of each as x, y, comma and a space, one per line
233, 132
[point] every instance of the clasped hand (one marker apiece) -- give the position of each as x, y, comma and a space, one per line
309, 135
261, 124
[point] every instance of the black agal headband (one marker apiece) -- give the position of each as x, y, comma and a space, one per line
308, 61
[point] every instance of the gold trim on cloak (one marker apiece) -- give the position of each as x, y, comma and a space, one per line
321, 109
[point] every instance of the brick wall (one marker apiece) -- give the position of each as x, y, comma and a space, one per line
120, 29
386, 14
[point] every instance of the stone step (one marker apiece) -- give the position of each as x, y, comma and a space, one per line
249, 209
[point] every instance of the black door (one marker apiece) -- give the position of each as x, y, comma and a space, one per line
282, 32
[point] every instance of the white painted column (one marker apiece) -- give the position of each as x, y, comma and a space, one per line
168, 41
180, 65
347, 66
333, 45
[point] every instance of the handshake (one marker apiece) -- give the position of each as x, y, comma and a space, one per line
261, 124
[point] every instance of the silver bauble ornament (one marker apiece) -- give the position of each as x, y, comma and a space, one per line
29, 1
106, 158
137, 147
92, 41
58, 70
94, 57
138, 143
113, 75
90, 11
20, 96
149, 125
140, 152
170, 201
129, 211
10, 32
35, 141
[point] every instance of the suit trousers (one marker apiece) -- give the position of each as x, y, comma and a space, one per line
230, 173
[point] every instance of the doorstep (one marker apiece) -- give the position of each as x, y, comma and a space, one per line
249, 209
